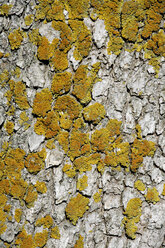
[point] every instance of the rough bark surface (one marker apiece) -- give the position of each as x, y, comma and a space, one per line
82, 108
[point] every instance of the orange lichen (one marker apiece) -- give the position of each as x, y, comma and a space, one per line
69, 170
59, 60
97, 196
79, 144
44, 50
9, 126
152, 195
133, 213
24, 240
94, 113
61, 83
18, 188
50, 144
41, 238
55, 233
69, 105
79, 243
82, 183
48, 126
65, 121
42, 102
15, 39
83, 82
18, 214
46, 222
139, 185
140, 149
34, 163
41, 187
76, 208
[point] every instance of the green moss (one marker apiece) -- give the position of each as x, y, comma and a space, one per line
15, 39
42, 102
76, 208
152, 195
133, 213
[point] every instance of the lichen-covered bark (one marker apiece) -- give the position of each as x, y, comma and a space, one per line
82, 123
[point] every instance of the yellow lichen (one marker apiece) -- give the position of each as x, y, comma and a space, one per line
152, 195
34, 36
18, 214
41, 187
69, 105
83, 82
9, 126
31, 196
46, 221
55, 233
61, 83
76, 208
50, 144
34, 163
163, 192
63, 139
140, 149
44, 50
41, 238
139, 185
42, 102
79, 144
48, 126
82, 183
20, 95
24, 240
69, 170
5, 8
97, 196
28, 20
24, 120
59, 60
79, 243
15, 39
133, 213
